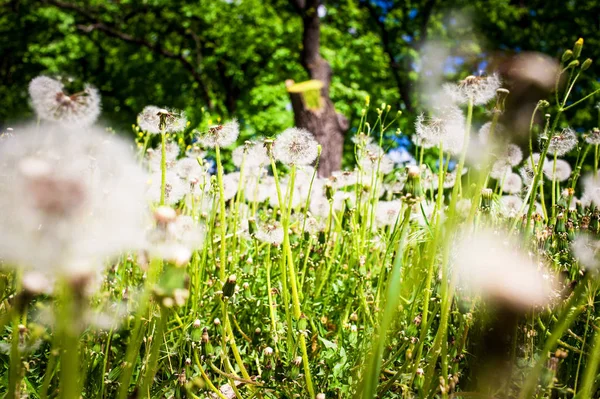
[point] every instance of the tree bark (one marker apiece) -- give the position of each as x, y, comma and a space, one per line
324, 122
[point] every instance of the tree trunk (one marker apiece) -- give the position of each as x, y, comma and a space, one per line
323, 121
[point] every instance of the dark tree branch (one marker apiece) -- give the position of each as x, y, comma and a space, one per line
98, 25
426, 12
402, 84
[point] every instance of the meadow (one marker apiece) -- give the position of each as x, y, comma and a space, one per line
189, 264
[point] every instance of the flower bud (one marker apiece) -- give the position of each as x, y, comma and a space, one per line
229, 286
573, 64
567, 55
586, 64
577, 47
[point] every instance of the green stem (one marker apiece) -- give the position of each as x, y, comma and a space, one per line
163, 166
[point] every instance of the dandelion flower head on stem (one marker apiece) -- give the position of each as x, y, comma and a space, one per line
479, 89
563, 142
51, 103
220, 135
154, 120
562, 172
295, 146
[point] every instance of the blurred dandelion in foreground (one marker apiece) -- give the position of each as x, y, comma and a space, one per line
587, 251
155, 120
51, 103
490, 265
174, 237
75, 196
220, 135
591, 188
295, 147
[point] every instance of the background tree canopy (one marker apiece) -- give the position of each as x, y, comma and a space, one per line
232, 57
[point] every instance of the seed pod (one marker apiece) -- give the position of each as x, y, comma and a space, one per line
302, 323
229, 286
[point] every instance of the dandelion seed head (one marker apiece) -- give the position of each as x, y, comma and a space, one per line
510, 205
253, 154
587, 251
190, 169
591, 189
563, 142
149, 120
561, 171
488, 264
387, 212
51, 103
445, 123
513, 184
76, 196
270, 232
513, 155
500, 169
593, 137
485, 130
295, 147
175, 187
479, 89
220, 135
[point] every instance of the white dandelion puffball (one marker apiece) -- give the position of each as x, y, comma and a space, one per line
490, 265
149, 120
154, 156
295, 147
175, 187
559, 172
591, 189
478, 89
593, 137
485, 130
190, 169
563, 142
220, 135
445, 124
69, 198
387, 212
253, 155
270, 232
510, 205
176, 239
51, 103
587, 251
512, 184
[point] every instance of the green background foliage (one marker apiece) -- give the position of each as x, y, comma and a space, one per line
217, 58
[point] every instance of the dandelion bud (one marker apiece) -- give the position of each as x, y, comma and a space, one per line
586, 64
216, 321
268, 351
197, 323
295, 369
412, 191
302, 323
329, 192
188, 361
560, 223
577, 47
320, 396
207, 348
353, 316
229, 286
573, 64
367, 100
567, 55
543, 104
